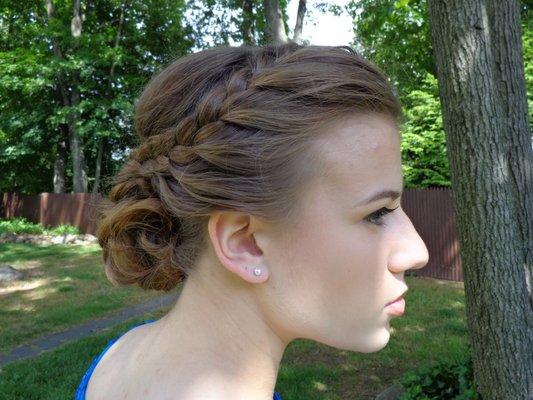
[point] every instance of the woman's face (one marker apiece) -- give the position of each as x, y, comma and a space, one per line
333, 272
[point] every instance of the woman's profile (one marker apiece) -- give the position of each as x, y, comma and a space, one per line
268, 180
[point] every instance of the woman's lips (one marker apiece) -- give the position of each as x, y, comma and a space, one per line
397, 307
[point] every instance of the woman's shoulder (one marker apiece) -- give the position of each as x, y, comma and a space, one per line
102, 378
101, 373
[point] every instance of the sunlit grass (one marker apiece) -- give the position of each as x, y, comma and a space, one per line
56, 375
63, 285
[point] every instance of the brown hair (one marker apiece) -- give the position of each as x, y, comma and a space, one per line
228, 128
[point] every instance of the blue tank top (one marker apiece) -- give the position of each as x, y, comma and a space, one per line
82, 388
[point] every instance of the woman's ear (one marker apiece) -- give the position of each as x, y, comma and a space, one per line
235, 246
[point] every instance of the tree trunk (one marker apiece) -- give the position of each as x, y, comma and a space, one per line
299, 20
101, 139
73, 99
247, 27
117, 38
98, 166
79, 171
477, 49
275, 28
75, 23
60, 164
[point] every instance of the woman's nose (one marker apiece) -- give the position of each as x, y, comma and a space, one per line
410, 251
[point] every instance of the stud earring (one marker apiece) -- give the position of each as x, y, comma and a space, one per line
257, 271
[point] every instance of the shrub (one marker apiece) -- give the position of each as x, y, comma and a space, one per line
63, 229
424, 159
22, 225
444, 380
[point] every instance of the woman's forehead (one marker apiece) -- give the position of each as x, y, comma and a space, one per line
362, 149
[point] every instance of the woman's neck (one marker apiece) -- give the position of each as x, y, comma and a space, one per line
214, 343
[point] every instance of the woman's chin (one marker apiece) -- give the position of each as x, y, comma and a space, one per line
377, 342
371, 343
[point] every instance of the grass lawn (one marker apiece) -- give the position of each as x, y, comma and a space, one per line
64, 285
432, 329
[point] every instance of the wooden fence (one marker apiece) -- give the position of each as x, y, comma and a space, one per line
431, 211
52, 209
433, 216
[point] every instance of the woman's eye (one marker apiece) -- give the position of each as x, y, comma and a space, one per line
376, 217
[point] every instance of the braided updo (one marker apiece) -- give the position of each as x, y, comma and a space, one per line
228, 128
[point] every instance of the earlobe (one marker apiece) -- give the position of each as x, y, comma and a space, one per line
235, 248
250, 273
259, 273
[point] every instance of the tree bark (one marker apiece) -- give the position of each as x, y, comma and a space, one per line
79, 171
101, 139
79, 179
75, 23
478, 53
98, 166
275, 28
247, 27
299, 20
117, 38
60, 163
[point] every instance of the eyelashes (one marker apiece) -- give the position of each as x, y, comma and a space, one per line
376, 218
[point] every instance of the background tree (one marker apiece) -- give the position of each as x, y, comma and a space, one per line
478, 53
226, 22
300, 15
423, 145
70, 97
108, 73
275, 28
395, 35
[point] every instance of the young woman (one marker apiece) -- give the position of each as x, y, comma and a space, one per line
269, 180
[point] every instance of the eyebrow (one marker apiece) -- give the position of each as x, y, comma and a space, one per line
393, 194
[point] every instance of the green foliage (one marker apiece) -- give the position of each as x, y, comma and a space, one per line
108, 74
63, 230
219, 22
215, 22
423, 145
395, 35
22, 225
443, 381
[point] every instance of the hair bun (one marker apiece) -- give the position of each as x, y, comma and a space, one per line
139, 239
